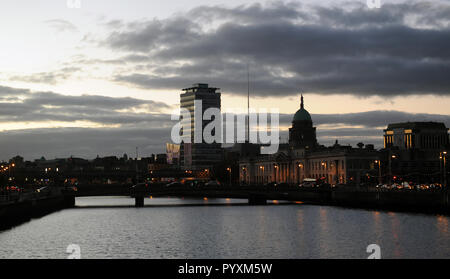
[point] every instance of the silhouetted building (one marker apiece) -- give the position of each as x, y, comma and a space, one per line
173, 153
199, 156
303, 158
413, 150
416, 135
302, 133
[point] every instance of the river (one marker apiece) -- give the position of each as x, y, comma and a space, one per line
110, 227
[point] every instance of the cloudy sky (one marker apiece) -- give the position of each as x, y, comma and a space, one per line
103, 78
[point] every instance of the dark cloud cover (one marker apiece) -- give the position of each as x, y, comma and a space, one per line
399, 49
23, 105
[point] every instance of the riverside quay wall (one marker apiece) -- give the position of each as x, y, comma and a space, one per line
16, 212
402, 200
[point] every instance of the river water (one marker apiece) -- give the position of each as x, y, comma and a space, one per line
110, 227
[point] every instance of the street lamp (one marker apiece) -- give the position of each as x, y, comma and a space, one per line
379, 170
324, 165
390, 167
262, 168
300, 166
275, 166
443, 157
229, 172
9, 170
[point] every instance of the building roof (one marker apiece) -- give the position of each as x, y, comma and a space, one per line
200, 86
417, 125
302, 114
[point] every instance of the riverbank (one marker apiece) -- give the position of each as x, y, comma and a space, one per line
17, 212
434, 202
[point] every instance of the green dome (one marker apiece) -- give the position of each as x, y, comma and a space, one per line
302, 114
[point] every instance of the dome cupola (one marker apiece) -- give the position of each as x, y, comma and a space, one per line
302, 114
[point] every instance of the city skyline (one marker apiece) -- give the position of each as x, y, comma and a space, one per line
104, 78
225, 137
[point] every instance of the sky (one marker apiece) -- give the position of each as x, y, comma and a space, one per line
103, 78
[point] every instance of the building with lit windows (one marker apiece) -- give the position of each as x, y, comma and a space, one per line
303, 158
199, 156
414, 151
416, 135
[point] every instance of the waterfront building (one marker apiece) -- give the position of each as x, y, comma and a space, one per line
173, 153
413, 151
416, 136
303, 158
302, 134
199, 156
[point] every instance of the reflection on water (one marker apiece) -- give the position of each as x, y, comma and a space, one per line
110, 227
442, 224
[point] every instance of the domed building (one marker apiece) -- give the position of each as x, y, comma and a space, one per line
303, 159
302, 134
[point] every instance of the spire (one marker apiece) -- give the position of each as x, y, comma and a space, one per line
301, 102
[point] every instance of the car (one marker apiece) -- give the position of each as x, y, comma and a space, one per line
212, 183
309, 182
194, 183
44, 189
174, 184
140, 186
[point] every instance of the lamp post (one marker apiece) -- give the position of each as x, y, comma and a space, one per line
9, 170
379, 171
324, 165
229, 176
390, 167
275, 167
300, 166
262, 168
442, 157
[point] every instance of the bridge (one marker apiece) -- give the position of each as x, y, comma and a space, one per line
256, 195
436, 201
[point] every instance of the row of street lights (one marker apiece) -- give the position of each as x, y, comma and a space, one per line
442, 165
442, 168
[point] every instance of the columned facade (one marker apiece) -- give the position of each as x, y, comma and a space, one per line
304, 159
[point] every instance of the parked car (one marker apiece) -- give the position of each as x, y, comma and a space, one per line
44, 189
194, 183
140, 186
212, 183
309, 182
174, 184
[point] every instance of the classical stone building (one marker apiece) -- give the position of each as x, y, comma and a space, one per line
304, 158
302, 134
414, 151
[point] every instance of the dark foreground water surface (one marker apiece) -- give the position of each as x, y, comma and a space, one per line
110, 227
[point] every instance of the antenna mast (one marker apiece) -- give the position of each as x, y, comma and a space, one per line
248, 102
137, 170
